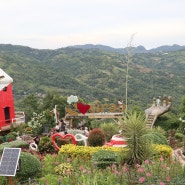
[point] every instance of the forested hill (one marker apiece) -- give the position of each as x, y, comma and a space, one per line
95, 74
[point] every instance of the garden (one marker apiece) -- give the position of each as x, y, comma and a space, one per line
147, 159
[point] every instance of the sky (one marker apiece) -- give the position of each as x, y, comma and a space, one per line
53, 24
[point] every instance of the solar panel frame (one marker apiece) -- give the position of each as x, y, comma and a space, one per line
9, 161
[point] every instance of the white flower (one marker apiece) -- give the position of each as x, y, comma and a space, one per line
72, 99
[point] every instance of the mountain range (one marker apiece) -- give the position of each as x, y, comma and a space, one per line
138, 49
96, 73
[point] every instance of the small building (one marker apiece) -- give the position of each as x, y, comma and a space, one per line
7, 112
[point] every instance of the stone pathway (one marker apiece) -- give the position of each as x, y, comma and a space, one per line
177, 154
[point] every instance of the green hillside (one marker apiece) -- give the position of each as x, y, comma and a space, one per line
95, 74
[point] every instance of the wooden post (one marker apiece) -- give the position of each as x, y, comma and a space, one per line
71, 123
10, 181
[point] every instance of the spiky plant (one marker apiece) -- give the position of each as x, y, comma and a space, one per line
134, 128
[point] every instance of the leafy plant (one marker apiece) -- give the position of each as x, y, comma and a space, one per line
46, 145
134, 128
104, 158
179, 136
41, 120
29, 166
64, 169
96, 138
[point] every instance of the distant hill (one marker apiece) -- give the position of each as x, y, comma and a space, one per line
138, 49
96, 74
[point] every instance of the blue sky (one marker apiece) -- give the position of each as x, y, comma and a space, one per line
52, 24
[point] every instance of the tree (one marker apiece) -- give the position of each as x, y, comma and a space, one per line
53, 98
182, 108
30, 104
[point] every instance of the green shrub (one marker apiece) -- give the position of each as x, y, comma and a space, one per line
49, 179
104, 158
14, 144
62, 141
96, 138
156, 138
19, 129
10, 137
46, 145
1, 139
179, 136
29, 166
14, 133
85, 152
109, 130
3, 180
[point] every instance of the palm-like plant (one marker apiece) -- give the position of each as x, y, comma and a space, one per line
134, 128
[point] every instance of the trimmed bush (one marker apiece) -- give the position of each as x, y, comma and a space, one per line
29, 166
156, 138
46, 145
10, 137
86, 152
179, 136
96, 138
14, 144
162, 150
104, 158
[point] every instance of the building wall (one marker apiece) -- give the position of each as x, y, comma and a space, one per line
6, 102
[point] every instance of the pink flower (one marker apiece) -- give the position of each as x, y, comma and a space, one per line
115, 171
95, 163
163, 166
68, 159
168, 179
56, 163
147, 161
113, 167
148, 174
141, 179
162, 183
168, 168
54, 155
68, 172
125, 169
161, 159
140, 170
81, 168
137, 165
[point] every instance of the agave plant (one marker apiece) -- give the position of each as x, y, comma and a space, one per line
134, 128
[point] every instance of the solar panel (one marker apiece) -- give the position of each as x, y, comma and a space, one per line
9, 161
